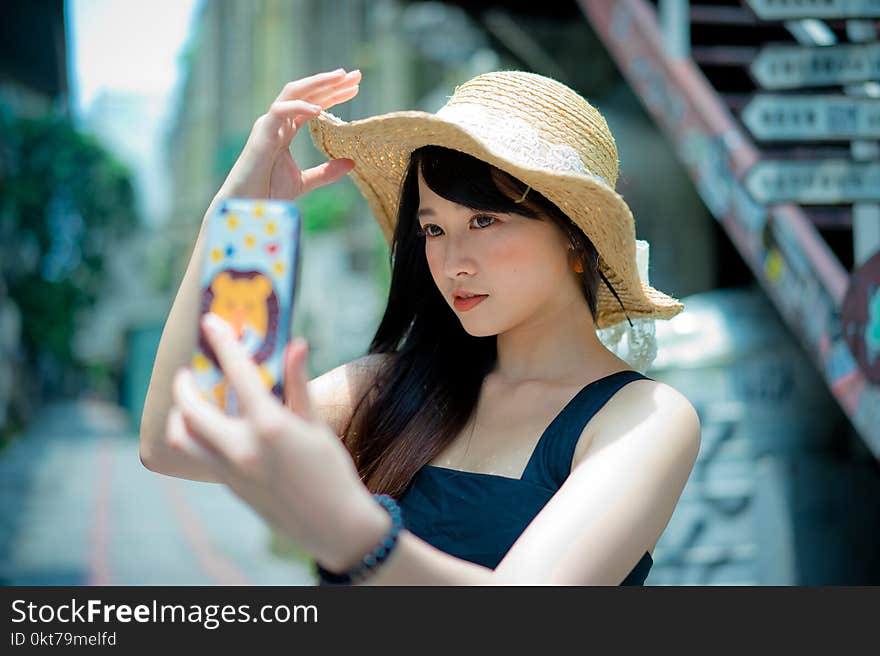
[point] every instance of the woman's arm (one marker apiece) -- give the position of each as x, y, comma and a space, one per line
264, 169
175, 350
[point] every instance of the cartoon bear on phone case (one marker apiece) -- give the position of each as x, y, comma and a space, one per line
247, 302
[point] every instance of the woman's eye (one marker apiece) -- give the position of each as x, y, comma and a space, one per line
426, 231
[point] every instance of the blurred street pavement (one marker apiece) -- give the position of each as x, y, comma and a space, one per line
77, 507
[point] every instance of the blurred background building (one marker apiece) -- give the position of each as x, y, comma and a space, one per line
785, 489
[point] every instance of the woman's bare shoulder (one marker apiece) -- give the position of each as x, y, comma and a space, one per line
641, 402
336, 393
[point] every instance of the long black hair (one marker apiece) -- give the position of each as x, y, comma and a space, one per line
429, 389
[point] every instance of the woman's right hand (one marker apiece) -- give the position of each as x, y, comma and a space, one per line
265, 167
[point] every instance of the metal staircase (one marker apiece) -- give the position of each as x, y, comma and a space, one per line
773, 106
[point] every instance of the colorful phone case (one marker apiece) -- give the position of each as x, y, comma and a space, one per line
248, 279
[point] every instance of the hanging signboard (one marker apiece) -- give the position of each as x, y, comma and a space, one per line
792, 67
788, 9
814, 182
812, 118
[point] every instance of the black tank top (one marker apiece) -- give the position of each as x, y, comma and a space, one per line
478, 517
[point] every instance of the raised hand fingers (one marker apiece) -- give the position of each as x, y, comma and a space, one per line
307, 85
314, 87
326, 173
349, 82
340, 95
309, 107
301, 112
302, 107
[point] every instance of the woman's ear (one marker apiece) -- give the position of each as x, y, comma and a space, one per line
574, 260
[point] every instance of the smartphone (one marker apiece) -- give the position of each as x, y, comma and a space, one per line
248, 279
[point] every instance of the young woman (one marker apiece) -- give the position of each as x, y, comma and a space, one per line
504, 442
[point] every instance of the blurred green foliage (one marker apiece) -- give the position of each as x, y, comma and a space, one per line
64, 202
380, 264
327, 208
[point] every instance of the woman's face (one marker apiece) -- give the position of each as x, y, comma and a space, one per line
521, 263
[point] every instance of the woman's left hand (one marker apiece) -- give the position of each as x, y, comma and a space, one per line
281, 460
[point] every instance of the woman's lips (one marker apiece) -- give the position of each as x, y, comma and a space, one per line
465, 304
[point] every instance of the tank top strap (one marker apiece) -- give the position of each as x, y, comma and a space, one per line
550, 463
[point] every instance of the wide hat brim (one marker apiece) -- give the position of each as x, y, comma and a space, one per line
381, 146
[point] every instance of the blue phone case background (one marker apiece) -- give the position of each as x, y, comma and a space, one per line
248, 279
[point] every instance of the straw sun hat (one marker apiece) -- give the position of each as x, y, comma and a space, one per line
541, 132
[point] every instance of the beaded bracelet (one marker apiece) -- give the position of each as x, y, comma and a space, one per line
371, 562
